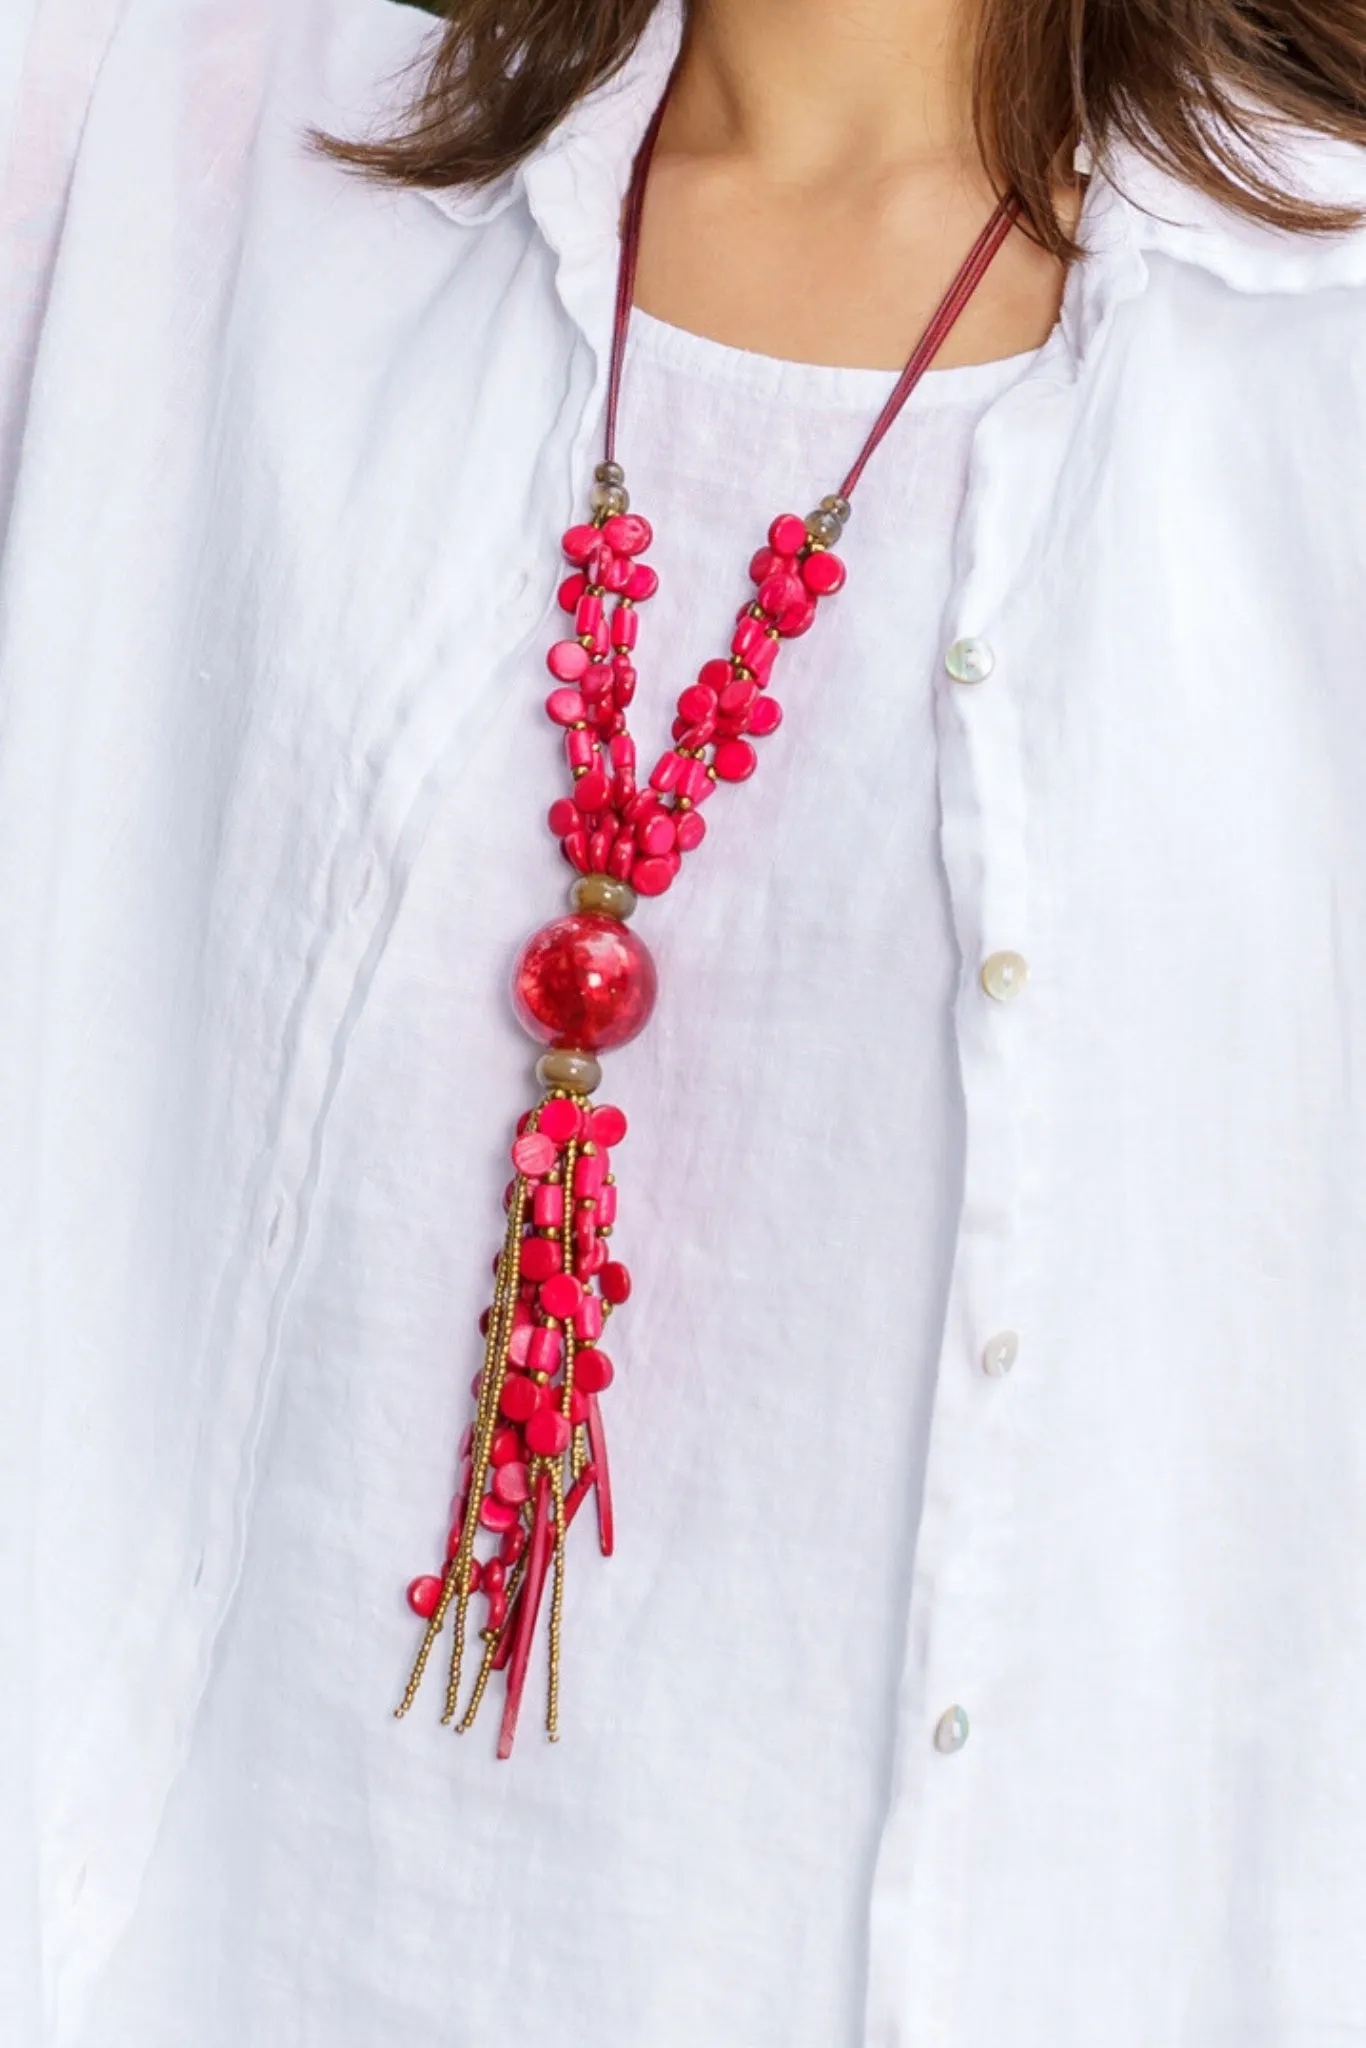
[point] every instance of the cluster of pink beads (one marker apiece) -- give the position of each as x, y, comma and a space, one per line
609, 825
551, 1302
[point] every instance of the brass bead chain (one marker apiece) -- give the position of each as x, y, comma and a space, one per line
456, 1574
495, 1373
552, 1719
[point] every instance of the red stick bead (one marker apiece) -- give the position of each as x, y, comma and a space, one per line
625, 626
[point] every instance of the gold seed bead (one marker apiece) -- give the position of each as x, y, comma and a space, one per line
579, 1072
604, 895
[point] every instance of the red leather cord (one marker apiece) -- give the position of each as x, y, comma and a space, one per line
970, 274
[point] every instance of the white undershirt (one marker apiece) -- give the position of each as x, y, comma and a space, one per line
691, 1864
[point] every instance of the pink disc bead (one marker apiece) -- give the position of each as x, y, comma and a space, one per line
534, 1155
585, 982
560, 1120
765, 716
787, 535
592, 1370
823, 573
548, 1433
735, 760
541, 1256
626, 533
580, 541
519, 1398
424, 1596
567, 661
607, 1126
615, 1283
561, 1295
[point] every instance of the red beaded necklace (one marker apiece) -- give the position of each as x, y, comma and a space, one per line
535, 1451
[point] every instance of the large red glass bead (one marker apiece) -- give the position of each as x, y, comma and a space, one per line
586, 982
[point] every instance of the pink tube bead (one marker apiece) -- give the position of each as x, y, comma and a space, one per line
588, 613
588, 1319
747, 639
607, 1205
667, 772
763, 657
616, 576
590, 1171
580, 747
547, 1206
694, 783
625, 626
623, 751
621, 859
544, 1354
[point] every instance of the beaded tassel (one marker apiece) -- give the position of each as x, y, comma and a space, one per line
535, 1450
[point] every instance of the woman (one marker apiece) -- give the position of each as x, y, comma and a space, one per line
982, 1655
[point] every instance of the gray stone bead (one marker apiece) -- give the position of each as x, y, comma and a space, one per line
609, 499
578, 1071
604, 895
823, 527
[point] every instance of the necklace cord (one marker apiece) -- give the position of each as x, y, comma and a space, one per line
969, 275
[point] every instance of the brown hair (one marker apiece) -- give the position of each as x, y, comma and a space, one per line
1179, 79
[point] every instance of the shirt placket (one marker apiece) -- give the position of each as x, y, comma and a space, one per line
949, 1707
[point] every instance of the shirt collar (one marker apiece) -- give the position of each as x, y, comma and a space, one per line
574, 184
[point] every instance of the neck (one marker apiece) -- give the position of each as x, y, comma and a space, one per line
815, 91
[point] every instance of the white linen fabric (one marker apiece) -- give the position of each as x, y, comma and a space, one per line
285, 461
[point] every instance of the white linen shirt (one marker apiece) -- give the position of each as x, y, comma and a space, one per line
285, 460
